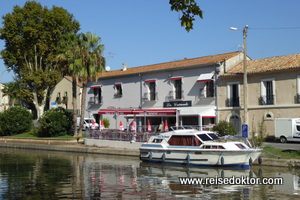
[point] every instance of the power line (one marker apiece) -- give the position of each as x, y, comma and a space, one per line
278, 28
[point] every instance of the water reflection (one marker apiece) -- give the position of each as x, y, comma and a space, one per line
26, 174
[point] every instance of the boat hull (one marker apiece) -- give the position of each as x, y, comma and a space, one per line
230, 158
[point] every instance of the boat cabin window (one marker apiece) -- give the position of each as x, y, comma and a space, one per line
213, 147
184, 140
204, 137
298, 127
157, 140
241, 146
213, 136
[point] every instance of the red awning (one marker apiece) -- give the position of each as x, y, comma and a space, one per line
150, 80
118, 84
176, 78
95, 86
137, 111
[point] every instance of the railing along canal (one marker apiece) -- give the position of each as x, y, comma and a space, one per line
117, 135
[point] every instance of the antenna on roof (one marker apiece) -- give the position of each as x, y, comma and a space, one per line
107, 68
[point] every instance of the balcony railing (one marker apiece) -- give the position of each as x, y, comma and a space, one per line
150, 96
266, 100
233, 102
95, 100
175, 95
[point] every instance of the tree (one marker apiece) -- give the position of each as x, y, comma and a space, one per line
225, 128
69, 57
82, 54
91, 62
31, 36
12, 91
189, 10
15, 120
55, 122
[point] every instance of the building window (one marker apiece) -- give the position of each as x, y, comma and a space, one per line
208, 90
151, 94
268, 116
97, 95
152, 90
233, 95
65, 98
178, 89
58, 98
118, 90
267, 92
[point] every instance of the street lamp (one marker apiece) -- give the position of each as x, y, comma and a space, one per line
245, 71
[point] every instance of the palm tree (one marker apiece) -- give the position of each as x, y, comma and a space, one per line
69, 59
91, 62
12, 90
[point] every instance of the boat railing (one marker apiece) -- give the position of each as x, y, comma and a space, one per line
195, 127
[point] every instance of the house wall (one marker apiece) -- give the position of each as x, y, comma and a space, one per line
4, 100
286, 84
134, 88
63, 86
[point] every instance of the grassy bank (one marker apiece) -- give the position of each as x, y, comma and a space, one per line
283, 153
31, 136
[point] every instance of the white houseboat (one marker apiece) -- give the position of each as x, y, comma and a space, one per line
192, 147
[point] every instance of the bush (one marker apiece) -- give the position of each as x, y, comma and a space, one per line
55, 122
225, 128
15, 120
106, 123
258, 137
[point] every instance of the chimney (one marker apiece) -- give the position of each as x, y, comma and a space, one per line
124, 66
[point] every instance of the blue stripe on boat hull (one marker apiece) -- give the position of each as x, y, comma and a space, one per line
195, 164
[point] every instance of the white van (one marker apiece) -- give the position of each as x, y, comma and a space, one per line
87, 123
287, 129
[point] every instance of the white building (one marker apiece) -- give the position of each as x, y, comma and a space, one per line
4, 99
182, 92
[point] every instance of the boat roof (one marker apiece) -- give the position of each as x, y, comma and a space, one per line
185, 132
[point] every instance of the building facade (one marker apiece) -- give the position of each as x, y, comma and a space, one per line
273, 92
61, 95
180, 93
4, 99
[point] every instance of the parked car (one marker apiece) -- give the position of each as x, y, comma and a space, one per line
87, 123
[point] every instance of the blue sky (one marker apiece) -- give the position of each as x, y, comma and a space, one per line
143, 32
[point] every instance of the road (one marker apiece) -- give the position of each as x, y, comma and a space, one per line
289, 145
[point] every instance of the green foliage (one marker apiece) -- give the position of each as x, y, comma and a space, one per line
106, 122
258, 137
225, 128
55, 122
189, 10
15, 120
32, 35
282, 153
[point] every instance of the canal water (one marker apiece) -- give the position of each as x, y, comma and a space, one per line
31, 174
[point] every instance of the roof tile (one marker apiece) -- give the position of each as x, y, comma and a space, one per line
170, 65
267, 65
